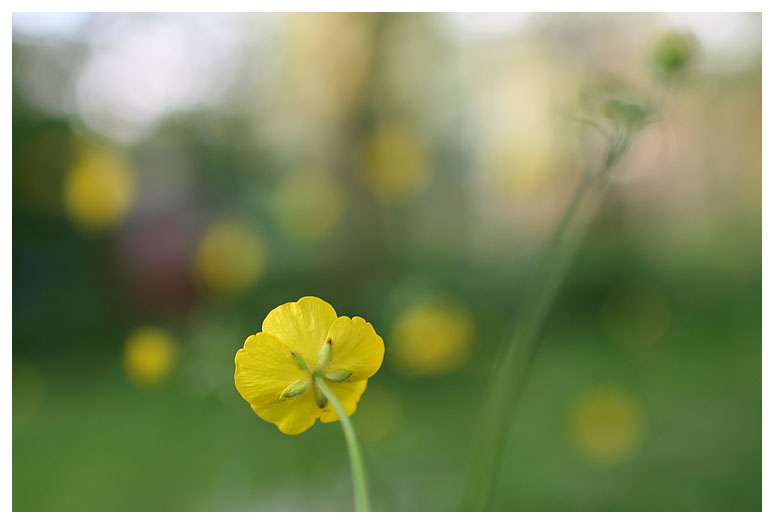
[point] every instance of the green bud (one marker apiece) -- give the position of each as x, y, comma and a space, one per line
295, 389
674, 51
324, 356
300, 362
337, 376
320, 397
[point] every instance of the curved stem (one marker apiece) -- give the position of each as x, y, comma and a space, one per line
511, 367
360, 487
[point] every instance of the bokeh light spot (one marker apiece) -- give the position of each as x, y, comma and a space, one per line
606, 425
99, 189
395, 163
308, 205
328, 56
149, 356
229, 258
432, 337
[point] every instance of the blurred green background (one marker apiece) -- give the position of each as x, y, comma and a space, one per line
177, 176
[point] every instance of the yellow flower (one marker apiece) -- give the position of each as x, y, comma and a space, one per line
274, 369
149, 356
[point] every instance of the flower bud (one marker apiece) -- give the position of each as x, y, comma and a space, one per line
674, 51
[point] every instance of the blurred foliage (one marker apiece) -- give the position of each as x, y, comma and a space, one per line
377, 160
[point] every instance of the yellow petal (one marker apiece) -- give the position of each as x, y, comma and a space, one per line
302, 325
348, 394
355, 347
292, 416
263, 368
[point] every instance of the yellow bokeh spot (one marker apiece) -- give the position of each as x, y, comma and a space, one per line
520, 165
395, 163
520, 151
308, 205
99, 189
380, 414
606, 425
149, 356
229, 258
432, 337
635, 317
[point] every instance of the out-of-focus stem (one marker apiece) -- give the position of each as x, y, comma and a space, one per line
516, 355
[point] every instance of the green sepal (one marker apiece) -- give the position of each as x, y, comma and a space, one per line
324, 356
295, 389
337, 376
320, 397
300, 362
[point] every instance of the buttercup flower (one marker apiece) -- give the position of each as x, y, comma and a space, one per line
275, 370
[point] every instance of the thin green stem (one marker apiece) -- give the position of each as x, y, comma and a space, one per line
360, 486
512, 365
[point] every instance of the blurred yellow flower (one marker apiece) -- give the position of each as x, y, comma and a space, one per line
149, 356
395, 163
99, 189
308, 205
432, 337
274, 369
606, 425
229, 258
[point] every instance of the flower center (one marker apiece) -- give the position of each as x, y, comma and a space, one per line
322, 370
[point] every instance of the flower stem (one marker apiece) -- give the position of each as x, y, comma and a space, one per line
516, 355
360, 486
